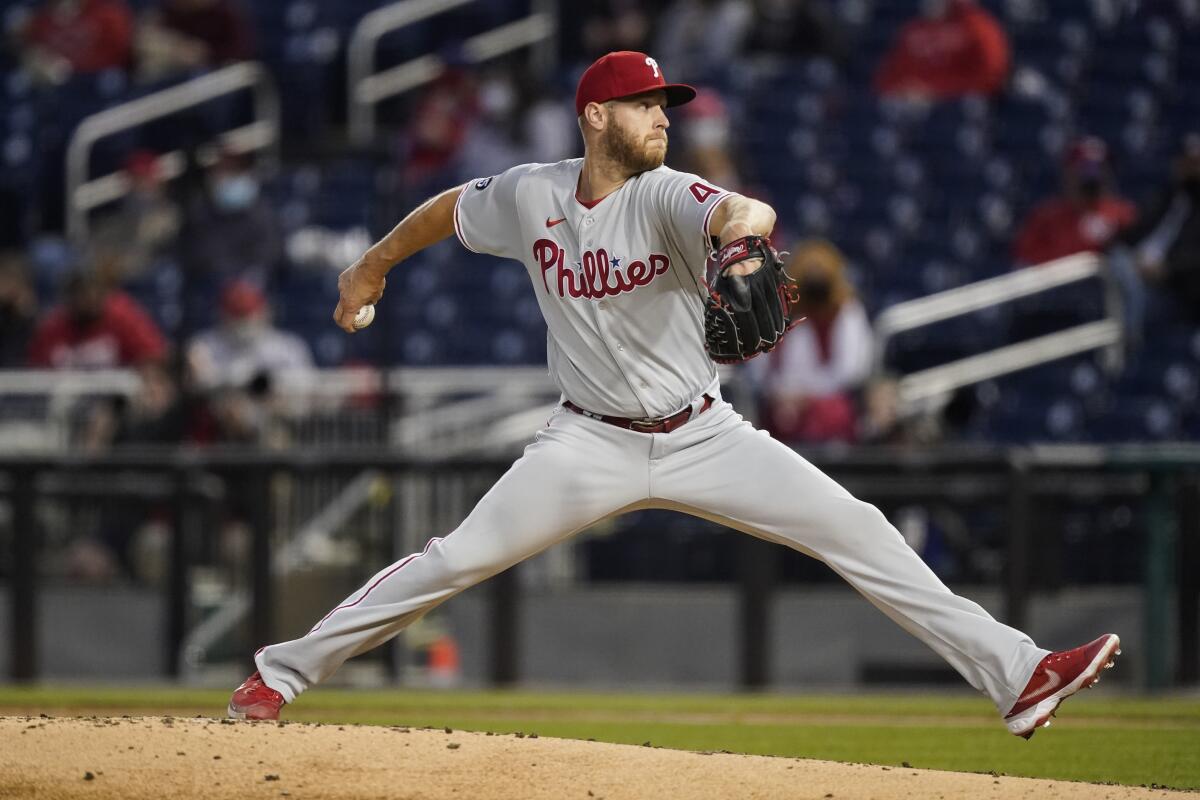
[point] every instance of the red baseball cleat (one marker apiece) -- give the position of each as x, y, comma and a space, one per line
255, 700
1057, 677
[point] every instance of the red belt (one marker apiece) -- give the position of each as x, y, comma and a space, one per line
664, 425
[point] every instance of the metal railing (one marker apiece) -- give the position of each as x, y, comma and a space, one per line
366, 87
40, 408
919, 387
454, 411
66, 383
449, 410
83, 195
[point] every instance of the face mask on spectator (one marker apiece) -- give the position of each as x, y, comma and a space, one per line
1091, 188
234, 192
709, 132
85, 316
815, 291
497, 98
85, 305
935, 9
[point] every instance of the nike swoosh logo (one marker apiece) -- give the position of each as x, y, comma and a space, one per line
550, 223
1052, 683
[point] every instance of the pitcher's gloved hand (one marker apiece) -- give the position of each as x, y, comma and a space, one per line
747, 314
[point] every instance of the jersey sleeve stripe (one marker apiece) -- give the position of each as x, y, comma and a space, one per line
721, 198
458, 230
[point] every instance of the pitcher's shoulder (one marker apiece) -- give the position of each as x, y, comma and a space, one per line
663, 174
555, 171
673, 180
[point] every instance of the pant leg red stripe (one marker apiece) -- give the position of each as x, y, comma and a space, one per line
381, 579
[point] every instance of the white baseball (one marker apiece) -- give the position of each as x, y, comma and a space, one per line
364, 317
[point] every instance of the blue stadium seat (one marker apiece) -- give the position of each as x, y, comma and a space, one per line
1138, 419
1025, 418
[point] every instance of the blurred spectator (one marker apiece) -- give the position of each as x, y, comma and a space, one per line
930, 422
512, 117
142, 229
551, 130
707, 149
608, 25
1164, 246
18, 310
238, 369
954, 48
698, 40
808, 379
793, 28
95, 327
238, 366
494, 141
245, 344
1084, 218
444, 116
881, 421
230, 228
155, 415
64, 37
187, 35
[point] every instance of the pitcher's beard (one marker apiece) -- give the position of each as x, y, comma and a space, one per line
628, 151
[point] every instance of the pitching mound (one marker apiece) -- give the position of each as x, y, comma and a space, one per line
150, 757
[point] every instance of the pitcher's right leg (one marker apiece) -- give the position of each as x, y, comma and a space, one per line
575, 473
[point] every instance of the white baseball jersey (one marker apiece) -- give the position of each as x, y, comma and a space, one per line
620, 283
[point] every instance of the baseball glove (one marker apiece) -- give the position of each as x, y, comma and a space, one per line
747, 314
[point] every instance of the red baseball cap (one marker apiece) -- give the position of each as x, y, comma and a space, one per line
143, 165
625, 73
241, 298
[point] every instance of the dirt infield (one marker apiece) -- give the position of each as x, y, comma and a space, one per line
155, 757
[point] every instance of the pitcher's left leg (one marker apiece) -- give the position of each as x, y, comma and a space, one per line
749, 481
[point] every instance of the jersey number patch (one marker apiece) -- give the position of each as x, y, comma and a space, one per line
702, 191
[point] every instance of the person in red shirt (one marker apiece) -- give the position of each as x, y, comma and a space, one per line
954, 48
1084, 218
78, 36
95, 328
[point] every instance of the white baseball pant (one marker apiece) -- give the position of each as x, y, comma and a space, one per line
578, 471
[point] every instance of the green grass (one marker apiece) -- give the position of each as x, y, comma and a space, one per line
1130, 741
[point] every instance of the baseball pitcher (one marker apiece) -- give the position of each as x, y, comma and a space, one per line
616, 246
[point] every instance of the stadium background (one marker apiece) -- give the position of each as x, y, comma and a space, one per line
325, 473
